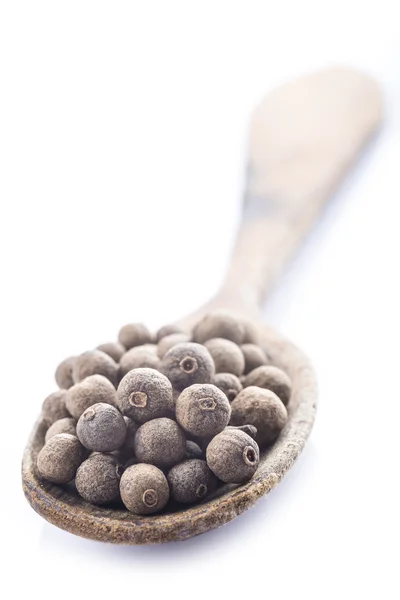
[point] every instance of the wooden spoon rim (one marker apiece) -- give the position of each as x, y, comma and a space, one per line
71, 513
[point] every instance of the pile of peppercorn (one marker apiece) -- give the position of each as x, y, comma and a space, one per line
147, 419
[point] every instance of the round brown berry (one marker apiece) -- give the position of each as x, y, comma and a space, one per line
271, 378
160, 442
97, 479
145, 394
60, 457
167, 330
134, 334
261, 408
92, 390
254, 356
144, 489
101, 428
139, 357
65, 425
191, 480
169, 341
54, 408
95, 362
202, 410
113, 349
227, 356
229, 384
63, 373
193, 450
219, 324
233, 456
186, 364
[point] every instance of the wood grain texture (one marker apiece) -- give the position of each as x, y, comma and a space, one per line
303, 138
63, 508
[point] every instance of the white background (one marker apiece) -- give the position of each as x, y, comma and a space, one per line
122, 140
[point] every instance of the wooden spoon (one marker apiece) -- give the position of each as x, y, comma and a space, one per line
303, 138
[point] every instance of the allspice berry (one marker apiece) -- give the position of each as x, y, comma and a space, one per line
229, 384
65, 425
101, 428
92, 390
145, 394
128, 447
60, 457
160, 442
63, 373
202, 410
144, 489
95, 362
139, 357
227, 356
169, 341
254, 356
193, 450
251, 333
219, 324
113, 349
190, 481
134, 334
54, 408
166, 330
98, 478
261, 408
249, 429
188, 363
233, 456
271, 378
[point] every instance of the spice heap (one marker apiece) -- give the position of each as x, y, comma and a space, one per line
146, 420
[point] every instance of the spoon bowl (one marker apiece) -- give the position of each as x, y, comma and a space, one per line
64, 508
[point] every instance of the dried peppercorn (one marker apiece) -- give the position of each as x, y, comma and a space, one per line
145, 394
97, 479
128, 447
101, 428
167, 330
144, 489
202, 410
160, 442
261, 408
251, 335
63, 373
191, 481
251, 430
169, 341
139, 357
113, 349
134, 334
60, 457
193, 450
65, 425
233, 456
54, 408
92, 390
219, 324
227, 356
95, 362
271, 378
254, 356
188, 363
229, 384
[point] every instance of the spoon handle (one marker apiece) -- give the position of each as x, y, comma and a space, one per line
303, 138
